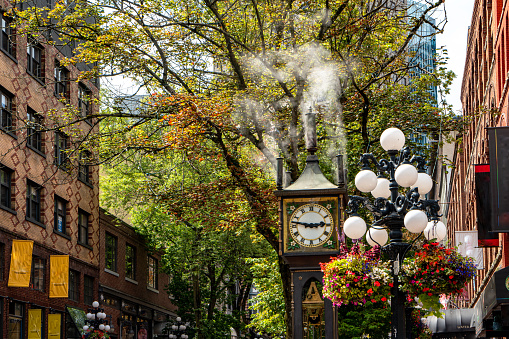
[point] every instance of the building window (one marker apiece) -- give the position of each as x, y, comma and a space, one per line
88, 283
6, 110
2, 265
33, 202
152, 272
130, 262
74, 286
61, 80
84, 105
61, 144
83, 227
34, 59
7, 35
5, 187
37, 277
60, 212
111, 252
84, 167
15, 328
34, 134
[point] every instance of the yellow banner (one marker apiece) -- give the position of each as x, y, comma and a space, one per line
59, 276
34, 323
21, 263
54, 326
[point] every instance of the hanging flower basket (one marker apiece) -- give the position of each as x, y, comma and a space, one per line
436, 270
93, 334
356, 277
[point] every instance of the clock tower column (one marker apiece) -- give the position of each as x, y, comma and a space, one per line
310, 215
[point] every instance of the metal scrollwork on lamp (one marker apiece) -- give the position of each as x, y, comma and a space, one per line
393, 210
178, 329
96, 321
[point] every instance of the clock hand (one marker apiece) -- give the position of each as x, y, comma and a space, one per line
311, 225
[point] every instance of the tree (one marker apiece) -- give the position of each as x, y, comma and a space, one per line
206, 246
231, 80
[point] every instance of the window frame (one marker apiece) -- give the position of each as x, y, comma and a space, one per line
62, 213
34, 133
61, 158
2, 264
34, 205
84, 104
83, 227
61, 77
88, 289
35, 65
152, 272
6, 187
84, 167
17, 317
130, 262
7, 36
6, 106
74, 285
41, 271
113, 247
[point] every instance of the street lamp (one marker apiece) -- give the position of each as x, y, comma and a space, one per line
394, 211
177, 330
96, 320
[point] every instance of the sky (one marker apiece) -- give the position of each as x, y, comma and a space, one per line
454, 38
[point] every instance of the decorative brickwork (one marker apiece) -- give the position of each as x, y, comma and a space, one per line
484, 92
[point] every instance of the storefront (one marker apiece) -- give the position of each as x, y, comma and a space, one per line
491, 312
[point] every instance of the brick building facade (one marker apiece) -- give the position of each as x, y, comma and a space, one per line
46, 195
484, 92
131, 286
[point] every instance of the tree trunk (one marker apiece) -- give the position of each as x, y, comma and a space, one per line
197, 303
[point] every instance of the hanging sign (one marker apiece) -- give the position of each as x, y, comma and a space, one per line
21, 263
59, 276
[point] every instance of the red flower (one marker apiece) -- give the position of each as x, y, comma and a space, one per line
391, 284
451, 277
377, 283
430, 294
384, 298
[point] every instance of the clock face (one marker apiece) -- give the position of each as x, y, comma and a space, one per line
311, 225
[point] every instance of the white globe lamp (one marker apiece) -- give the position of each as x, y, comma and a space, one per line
392, 139
424, 183
406, 175
107, 328
85, 328
416, 221
435, 230
382, 189
377, 236
95, 304
354, 227
101, 327
179, 319
366, 181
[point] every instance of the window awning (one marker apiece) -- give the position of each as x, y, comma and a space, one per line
78, 317
453, 321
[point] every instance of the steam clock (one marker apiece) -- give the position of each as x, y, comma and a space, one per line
310, 217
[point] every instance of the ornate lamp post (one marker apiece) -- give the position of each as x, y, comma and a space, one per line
96, 320
392, 210
177, 330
